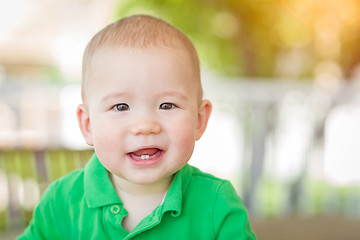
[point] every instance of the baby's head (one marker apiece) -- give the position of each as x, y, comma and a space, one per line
143, 107
137, 32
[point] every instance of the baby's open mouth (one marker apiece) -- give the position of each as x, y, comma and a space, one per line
146, 154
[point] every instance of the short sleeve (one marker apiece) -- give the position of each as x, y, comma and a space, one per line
230, 216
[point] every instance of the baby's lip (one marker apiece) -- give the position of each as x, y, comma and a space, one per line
146, 153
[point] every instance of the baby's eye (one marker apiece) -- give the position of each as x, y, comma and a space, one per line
166, 106
121, 107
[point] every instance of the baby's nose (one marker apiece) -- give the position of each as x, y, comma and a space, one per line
145, 126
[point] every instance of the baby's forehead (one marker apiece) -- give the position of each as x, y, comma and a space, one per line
128, 58
114, 52
159, 64
137, 33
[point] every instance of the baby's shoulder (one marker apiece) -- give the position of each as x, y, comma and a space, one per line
206, 191
199, 175
67, 185
206, 182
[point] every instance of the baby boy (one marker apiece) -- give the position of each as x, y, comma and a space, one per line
142, 112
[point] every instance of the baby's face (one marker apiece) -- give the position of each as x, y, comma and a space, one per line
144, 112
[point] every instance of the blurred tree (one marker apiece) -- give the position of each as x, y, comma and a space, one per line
262, 38
209, 24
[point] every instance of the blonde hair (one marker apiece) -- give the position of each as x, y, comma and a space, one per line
139, 31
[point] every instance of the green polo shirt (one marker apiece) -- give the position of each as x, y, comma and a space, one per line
84, 205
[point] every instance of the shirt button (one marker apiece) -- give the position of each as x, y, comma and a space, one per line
115, 209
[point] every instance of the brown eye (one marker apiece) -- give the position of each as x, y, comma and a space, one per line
166, 106
121, 107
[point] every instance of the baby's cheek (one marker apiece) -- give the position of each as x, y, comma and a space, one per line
108, 151
185, 138
106, 139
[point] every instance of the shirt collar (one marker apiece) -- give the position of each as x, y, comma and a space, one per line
174, 196
98, 189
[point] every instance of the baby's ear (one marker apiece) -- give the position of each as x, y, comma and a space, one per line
203, 117
83, 117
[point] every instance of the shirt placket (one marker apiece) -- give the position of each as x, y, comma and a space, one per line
146, 224
113, 216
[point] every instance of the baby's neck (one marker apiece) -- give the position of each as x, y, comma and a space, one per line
139, 200
124, 185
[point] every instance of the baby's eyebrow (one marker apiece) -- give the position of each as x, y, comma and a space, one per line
174, 93
114, 95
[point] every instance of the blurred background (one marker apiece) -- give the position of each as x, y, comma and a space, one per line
284, 78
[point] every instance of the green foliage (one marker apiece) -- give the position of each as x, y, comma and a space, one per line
203, 21
250, 38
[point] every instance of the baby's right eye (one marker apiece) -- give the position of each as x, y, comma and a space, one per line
121, 107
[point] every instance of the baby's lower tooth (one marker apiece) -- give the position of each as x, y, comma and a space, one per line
144, 157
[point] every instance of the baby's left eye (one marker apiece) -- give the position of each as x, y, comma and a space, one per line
167, 106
